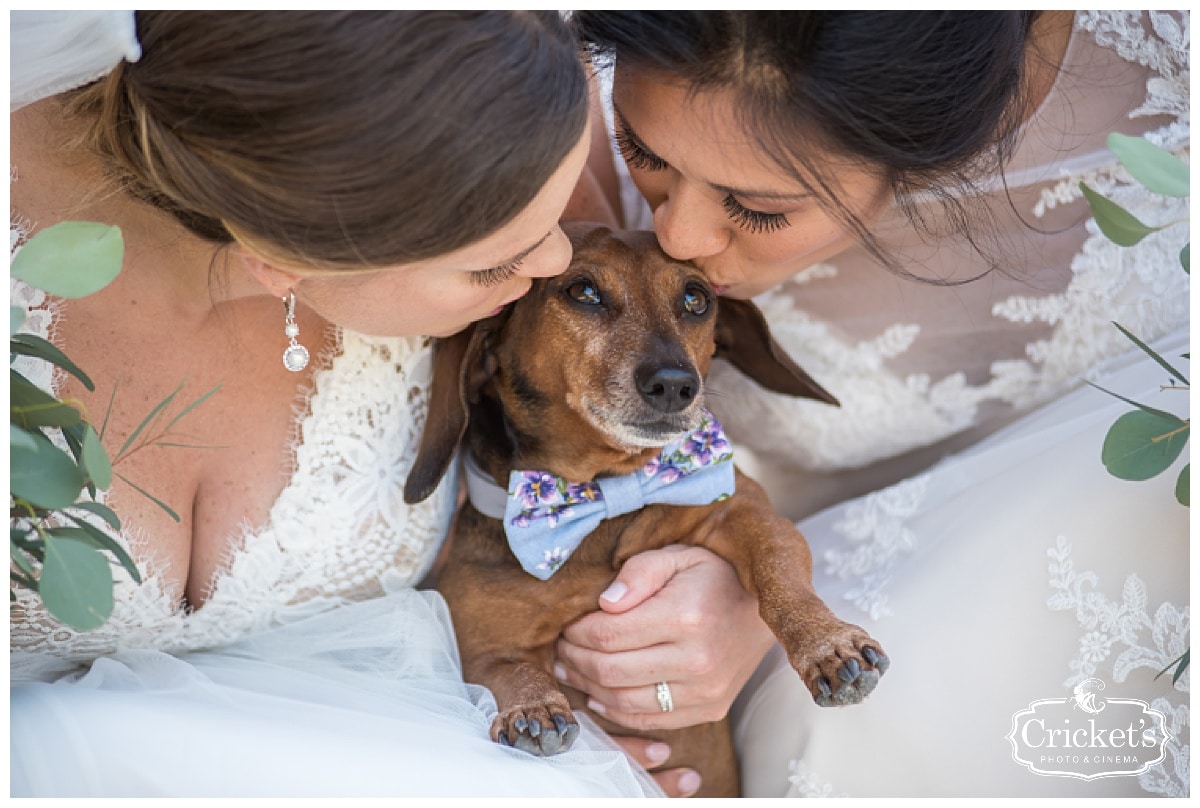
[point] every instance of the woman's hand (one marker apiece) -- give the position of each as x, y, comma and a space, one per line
677, 615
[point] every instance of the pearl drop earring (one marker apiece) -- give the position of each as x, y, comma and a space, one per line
295, 356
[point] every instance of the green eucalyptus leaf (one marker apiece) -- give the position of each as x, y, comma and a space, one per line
1117, 224
21, 579
1185, 258
150, 497
16, 319
20, 437
1132, 403
44, 476
1184, 661
95, 460
1150, 352
31, 345
1183, 486
96, 536
76, 583
31, 407
1152, 166
1141, 444
159, 407
21, 559
71, 259
24, 536
103, 511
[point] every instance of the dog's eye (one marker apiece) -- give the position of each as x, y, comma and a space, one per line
584, 292
695, 300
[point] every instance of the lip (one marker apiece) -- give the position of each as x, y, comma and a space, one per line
506, 303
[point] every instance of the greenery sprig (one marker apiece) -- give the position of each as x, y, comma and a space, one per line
55, 549
1145, 442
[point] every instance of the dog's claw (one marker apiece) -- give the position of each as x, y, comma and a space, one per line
849, 672
545, 736
843, 670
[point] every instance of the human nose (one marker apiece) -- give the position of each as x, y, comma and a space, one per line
687, 225
550, 259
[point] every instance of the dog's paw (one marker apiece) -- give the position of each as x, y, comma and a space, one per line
539, 731
843, 669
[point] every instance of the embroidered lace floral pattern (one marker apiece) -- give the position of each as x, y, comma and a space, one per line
340, 529
875, 537
1126, 633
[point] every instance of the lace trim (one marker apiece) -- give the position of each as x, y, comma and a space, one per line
339, 530
1125, 632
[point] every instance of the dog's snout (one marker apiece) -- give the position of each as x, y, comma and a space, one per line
667, 389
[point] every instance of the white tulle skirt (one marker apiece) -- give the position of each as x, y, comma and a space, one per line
363, 700
1005, 575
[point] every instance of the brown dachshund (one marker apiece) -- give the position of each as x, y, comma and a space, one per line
587, 377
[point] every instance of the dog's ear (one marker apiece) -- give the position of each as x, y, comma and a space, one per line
743, 338
460, 367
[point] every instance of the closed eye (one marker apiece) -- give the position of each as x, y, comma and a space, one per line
494, 276
753, 221
635, 152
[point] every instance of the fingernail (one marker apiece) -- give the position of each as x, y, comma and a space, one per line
658, 752
615, 592
689, 783
595, 706
560, 673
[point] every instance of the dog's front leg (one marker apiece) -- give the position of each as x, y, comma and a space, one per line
839, 662
534, 714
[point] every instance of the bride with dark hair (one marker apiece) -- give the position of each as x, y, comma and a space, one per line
900, 193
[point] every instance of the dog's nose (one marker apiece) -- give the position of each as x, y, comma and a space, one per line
667, 389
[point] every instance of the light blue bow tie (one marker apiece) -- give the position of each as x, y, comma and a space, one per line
546, 518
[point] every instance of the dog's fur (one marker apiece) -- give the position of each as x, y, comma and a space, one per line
560, 384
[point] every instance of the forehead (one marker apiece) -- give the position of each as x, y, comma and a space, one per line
630, 261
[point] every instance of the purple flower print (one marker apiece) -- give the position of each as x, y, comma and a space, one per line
553, 559
537, 488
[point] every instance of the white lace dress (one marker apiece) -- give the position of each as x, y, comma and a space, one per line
315, 668
1018, 568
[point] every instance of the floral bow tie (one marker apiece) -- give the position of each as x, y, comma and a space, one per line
546, 518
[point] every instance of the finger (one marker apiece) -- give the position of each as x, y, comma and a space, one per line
646, 714
677, 782
649, 753
645, 574
588, 670
654, 622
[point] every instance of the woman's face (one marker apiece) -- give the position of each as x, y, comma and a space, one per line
441, 296
717, 200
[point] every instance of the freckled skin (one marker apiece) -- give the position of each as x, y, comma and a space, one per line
550, 384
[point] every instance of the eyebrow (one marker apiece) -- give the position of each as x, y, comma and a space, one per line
774, 196
521, 256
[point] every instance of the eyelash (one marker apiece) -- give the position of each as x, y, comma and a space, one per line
635, 154
752, 221
494, 276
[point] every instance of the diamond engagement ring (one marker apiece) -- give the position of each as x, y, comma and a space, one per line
663, 691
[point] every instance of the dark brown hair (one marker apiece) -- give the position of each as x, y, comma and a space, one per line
341, 139
931, 100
